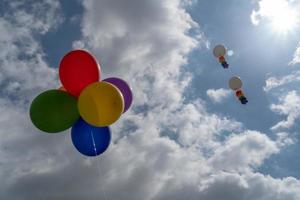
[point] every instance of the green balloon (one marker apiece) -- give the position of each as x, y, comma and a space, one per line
54, 111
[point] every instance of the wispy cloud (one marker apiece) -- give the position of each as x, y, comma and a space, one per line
275, 82
289, 105
296, 57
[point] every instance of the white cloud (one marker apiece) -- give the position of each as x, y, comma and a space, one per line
250, 186
274, 82
296, 58
255, 18
22, 65
284, 139
194, 126
218, 95
38, 16
289, 105
242, 152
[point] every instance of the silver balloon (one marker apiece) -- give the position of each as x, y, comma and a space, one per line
235, 83
219, 50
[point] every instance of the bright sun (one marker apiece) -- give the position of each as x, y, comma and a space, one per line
284, 21
283, 18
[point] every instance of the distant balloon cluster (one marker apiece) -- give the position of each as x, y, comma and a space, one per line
83, 102
220, 52
235, 83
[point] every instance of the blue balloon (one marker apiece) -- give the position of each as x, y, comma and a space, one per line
90, 140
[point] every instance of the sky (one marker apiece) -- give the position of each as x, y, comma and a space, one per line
186, 135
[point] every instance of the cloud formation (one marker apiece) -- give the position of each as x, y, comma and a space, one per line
288, 105
296, 57
248, 150
165, 147
275, 82
218, 95
22, 64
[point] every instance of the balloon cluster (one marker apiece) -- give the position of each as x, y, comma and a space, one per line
220, 52
83, 102
235, 83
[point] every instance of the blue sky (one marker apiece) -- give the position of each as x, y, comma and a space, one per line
63, 36
186, 135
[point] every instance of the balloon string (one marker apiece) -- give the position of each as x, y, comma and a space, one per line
98, 164
94, 144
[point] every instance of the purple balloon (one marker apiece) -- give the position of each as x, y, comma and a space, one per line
124, 89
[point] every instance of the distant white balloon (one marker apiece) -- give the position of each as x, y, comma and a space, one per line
235, 83
219, 50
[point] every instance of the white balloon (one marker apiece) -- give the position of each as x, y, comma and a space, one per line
235, 83
219, 50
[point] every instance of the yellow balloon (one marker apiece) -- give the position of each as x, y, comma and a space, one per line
100, 104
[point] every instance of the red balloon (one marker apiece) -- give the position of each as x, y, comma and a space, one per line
77, 70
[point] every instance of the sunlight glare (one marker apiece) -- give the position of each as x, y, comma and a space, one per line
283, 18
